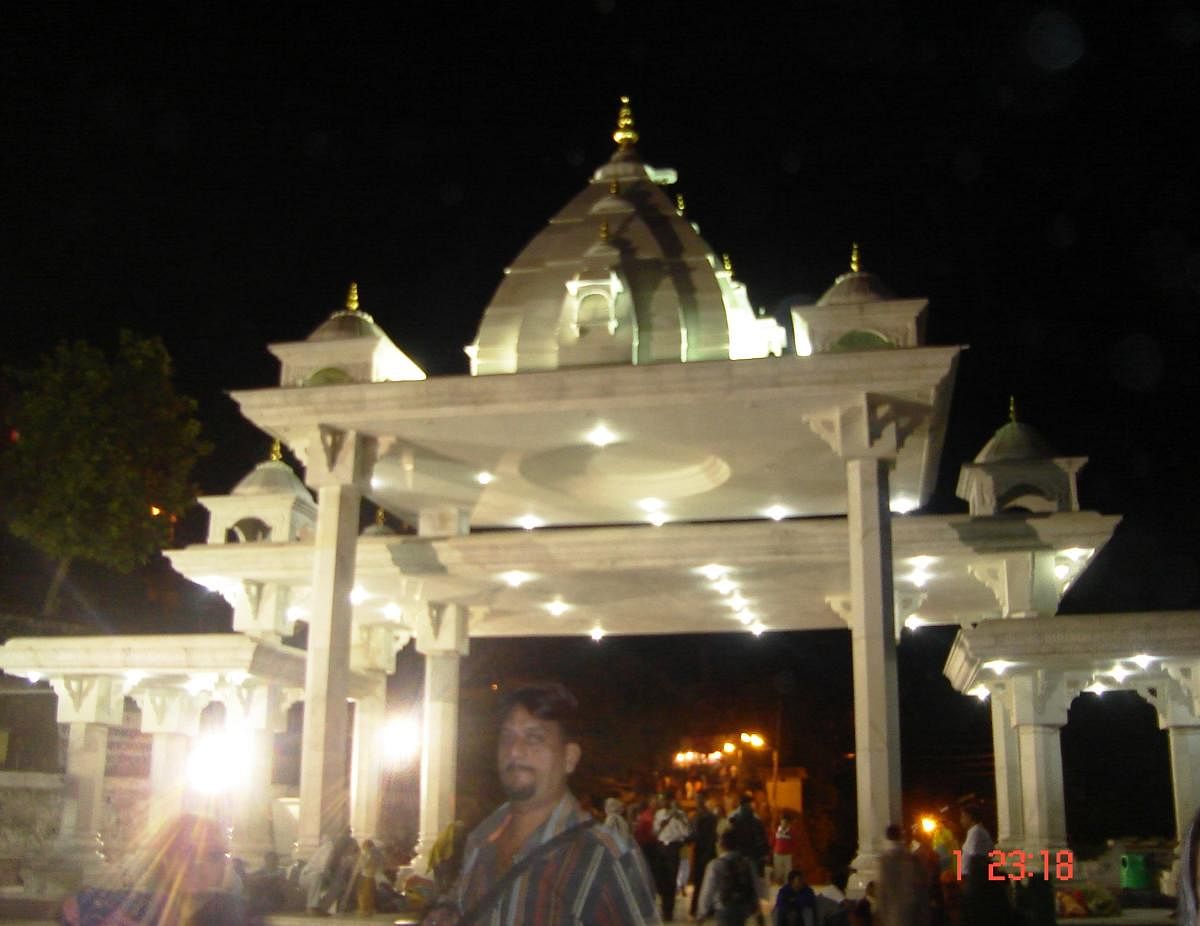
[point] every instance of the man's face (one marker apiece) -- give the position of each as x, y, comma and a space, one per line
533, 758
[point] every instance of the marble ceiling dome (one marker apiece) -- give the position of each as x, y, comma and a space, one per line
618, 276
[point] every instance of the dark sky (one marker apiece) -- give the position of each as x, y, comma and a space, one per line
218, 176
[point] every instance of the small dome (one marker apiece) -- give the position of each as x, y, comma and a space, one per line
855, 288
272, 477
347, 322
1015, 441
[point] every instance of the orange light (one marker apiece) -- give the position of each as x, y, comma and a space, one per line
928, 824
729, 747
155, 511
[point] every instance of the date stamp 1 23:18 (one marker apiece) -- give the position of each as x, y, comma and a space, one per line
1017, 865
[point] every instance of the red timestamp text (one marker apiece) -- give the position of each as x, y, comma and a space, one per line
1017, 865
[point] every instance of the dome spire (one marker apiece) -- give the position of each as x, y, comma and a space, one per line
1012, 409
855, 260
626, 135
352, 298
276, 451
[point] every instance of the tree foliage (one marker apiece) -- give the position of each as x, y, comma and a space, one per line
100, 453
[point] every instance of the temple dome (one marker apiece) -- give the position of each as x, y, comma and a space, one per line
618, 276
348, 322
856, 288
1015, 441
272, 477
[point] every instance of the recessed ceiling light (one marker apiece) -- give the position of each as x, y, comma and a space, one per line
737, 602
597, 634
296, 613
999, 666
712, 571
776, 512
903, 504
651, 504
723, 586
757, 629
980, 691
1142, 660
1096, 688
515, 578
658, 519
746, 617
359, 595
1061, 571
530, 521
557, 607
484, 478
913, 622
392, 611
1120, 673
600, 436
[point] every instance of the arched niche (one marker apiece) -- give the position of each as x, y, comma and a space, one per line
248, 530
328, 376
860, 340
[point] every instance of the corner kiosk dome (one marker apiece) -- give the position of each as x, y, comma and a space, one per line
1018, 471
619, 276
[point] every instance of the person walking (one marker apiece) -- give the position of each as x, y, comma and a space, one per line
671, 830
704, 844
730, 889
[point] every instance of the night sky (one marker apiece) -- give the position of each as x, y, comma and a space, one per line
218, 177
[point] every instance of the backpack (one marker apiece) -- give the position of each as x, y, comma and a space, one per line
736, 889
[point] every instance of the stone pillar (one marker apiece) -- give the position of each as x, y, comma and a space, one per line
336, 462
367, 763
254, 712
89, 705
1039, 711
1010, 814
168, 778
1177, 700
442, 638
1184, 744
172, 718
873, 651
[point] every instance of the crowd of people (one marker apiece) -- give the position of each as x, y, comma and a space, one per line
542, 859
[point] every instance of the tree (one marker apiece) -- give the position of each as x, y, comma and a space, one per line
99, 454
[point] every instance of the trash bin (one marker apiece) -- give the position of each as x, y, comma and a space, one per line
1134, 875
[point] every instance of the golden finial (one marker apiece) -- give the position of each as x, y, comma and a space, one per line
276, 451
352, 298
855, 261
727, 262
626, 135
604, 230
1012, 409
680, 205
380, 517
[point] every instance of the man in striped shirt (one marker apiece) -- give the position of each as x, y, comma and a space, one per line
538, 860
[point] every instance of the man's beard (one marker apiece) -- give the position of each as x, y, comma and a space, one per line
517, 791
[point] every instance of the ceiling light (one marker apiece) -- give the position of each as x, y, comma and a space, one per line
530, 521
999, 666
746, 617
1075, 554
723, 587
1096, 688
600, 436
1142, 660
913, 622
484, 478
296, 613
979, 691
359, 595
392, 611
597, 634
651, 504
757, 629
713, 571
903, 504
1061, 571
1120, 673
557, 607
918, 577
776, 512
515, 578
658, 519
922, 563
737, 602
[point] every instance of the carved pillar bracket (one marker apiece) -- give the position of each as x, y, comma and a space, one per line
1023, 584
873, 426
335, 456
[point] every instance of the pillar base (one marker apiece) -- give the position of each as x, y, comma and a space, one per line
863, 870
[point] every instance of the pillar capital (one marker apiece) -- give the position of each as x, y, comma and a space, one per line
373, 647
1038, 698
442, 629
1023, 583
169, 710
336, 456
90, 699
872, 426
